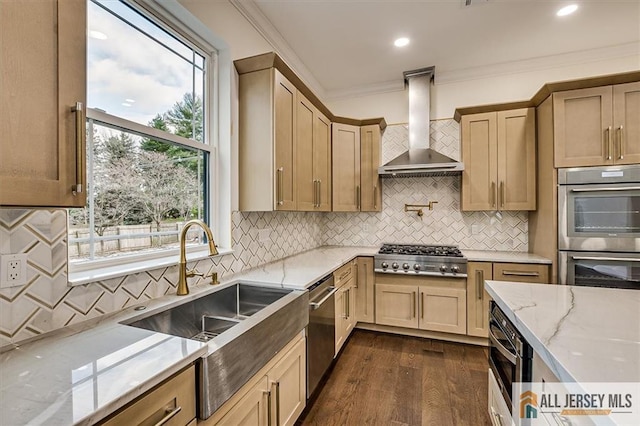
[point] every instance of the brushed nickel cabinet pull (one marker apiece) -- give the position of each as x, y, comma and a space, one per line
501, 193
493, 194
277, 403
358, 196
279, 187
268, 394
608, 143
479, 283
315, 193
413, 313
78, 188
422, 307
621, 142
522, 273
319, 193
169, 415
375, 196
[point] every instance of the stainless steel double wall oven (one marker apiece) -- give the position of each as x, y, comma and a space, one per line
599, 226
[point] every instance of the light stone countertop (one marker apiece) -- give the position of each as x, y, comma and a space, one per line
583, 334
504, 256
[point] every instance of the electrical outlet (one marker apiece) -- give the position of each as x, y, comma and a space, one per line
13, 270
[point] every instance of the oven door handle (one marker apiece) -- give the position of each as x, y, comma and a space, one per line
504, 351
613, 259
613, 188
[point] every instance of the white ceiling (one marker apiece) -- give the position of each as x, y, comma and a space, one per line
344, 46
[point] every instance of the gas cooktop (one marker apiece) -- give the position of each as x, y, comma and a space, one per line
420, 250
420, 259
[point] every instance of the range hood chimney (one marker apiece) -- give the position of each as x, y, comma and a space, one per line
420, 159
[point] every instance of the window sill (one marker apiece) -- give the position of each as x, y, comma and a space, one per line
105, 272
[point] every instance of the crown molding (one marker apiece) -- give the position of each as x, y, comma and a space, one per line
263, 25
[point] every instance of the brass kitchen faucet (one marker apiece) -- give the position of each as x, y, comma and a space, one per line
183, 287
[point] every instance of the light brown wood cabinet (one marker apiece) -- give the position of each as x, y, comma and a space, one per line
477, 297
499, 154
426, 303
276, 395
173, 401
365, 290
42, 149
345, 303
313, 157
597, 126
356, 158
285, 146
499, 411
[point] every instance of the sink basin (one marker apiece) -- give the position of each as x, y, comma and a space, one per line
244, 327
209, 316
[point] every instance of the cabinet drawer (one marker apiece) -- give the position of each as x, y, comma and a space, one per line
176, 394
343, 274
521, 272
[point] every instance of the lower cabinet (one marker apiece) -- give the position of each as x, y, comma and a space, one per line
345, 304
172, 403
275, 396
426, 303
499, 412
521, 272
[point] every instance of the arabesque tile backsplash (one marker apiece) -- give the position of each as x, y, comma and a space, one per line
47, 303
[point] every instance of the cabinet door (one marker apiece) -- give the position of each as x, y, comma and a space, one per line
370, 146
521, 272
477, 298
341, 313
499, 411
516, 159
306, 187
396, 305
626, 113
582, 127
252, 409
479, 154
364, 290
42, 76
288, 386
322, 161
443, 309
284, 128
345, 147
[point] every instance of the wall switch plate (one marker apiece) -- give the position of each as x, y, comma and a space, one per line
13, 270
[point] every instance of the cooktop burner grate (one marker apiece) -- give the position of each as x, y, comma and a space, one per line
420, 250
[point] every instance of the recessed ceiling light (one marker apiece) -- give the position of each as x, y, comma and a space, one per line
401, 42
97, 35
130, 100
126, 104
567, 10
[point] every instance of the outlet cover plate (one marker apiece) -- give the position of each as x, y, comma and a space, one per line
13, 270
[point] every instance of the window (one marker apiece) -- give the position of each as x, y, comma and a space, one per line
149, 154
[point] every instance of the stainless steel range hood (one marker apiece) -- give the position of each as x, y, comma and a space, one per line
420, 159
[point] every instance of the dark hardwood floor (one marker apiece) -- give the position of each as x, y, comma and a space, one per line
385, 379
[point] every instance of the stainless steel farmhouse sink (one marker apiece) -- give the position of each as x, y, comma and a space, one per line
243, 325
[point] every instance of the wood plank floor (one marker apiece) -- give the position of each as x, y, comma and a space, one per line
385, 379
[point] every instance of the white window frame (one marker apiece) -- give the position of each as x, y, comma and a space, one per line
173, 17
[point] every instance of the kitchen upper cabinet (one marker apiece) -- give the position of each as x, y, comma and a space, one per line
370, 149
433, 303
313, 157
365, 290
597, 126
356, 158
499, 153
346, 167
42, 103
284, 123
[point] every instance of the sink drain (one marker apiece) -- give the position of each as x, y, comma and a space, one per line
205, 336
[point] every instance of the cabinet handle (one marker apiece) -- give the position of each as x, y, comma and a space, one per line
277, 383
479, 283
315, 193
358, 196
609, 143
621, 143
493, 194
279, 187
319, 192
498, 417
169, 415
80, 160
413, 314
268, 394
349, 303
375, 197
522, 273
502, 194
422, 307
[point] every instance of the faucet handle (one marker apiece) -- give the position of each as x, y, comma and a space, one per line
214, 278
193, 273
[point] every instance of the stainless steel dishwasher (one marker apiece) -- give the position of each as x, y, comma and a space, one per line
321, 336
